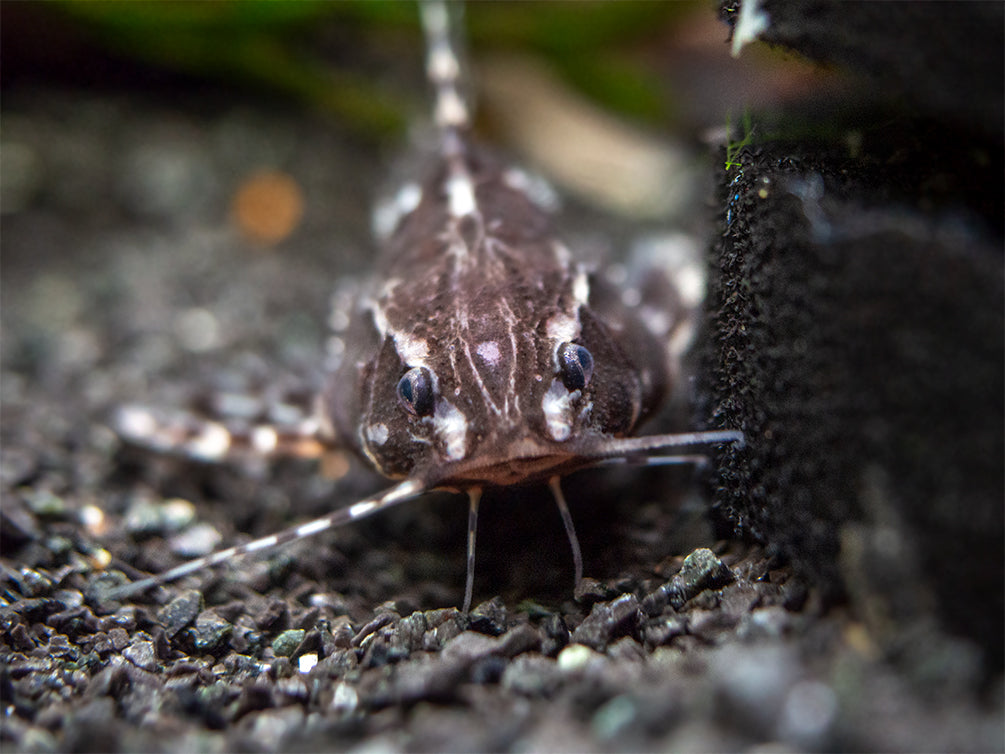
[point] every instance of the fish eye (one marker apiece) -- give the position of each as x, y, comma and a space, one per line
575, 365
416, 392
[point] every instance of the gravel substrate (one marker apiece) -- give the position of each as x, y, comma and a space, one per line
125, 281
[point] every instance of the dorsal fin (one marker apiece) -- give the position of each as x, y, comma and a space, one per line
451, 112
443, 66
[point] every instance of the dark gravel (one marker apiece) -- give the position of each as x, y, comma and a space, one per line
351, 641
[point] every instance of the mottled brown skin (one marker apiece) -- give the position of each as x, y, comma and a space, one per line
446, 284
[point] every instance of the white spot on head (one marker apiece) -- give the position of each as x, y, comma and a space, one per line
557, 407
452, 428
581, 287
489, 351
377, 433
461, 196
561, 328
413, 351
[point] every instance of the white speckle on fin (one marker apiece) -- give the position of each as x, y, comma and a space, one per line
264, 439
135, 423
212, 444
389, 212
461, 196
313, 527
361, 509
450, 110
262, 544
442, 64
534, 187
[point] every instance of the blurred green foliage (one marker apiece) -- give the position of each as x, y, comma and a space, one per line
285, 46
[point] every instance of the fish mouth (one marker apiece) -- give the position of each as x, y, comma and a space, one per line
531, 460
517, 462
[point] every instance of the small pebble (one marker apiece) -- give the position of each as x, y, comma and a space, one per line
532, 675
306, 662
662, 631
69, 598
608, 620
487, 670
33, 583
196, 541
344, 699
20, 639
576, 657
556, 635
520, 639
209, 631
809, 710
766, 622
287, 642
142, 655
701, 570
45, 503
470, 646
614, 718
119, 638
589, 591
180, 611
146, 517
410, 632
489, 617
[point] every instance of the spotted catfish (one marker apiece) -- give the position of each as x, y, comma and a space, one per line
481, 353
